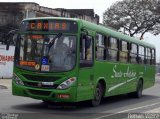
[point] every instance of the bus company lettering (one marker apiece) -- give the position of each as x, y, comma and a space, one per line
118, 74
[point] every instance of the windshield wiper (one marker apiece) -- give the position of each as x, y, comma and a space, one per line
50, 44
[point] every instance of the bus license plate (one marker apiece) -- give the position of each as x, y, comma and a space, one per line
48, 83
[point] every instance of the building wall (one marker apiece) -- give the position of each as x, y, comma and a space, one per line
10, 19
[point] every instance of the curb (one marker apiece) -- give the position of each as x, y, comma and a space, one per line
3, 87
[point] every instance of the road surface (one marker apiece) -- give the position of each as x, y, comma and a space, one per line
111, 108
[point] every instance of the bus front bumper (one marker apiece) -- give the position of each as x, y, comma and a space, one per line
67, 95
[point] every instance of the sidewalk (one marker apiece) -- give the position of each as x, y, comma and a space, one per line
5, 83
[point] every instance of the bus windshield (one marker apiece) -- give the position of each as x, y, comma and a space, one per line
35, 52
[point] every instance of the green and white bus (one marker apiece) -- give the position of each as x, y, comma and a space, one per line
72, 60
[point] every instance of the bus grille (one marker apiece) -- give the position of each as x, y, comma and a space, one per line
40, 78
39, 92
36, 85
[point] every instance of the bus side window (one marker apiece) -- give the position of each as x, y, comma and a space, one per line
113, 49
86, 51
100, 47
153, 57
148, 56
134, 53
141, 54
123, 53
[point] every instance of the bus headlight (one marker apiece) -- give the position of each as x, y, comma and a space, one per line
18, 80
66, 84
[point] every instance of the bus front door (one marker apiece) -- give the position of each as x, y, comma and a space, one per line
86, 70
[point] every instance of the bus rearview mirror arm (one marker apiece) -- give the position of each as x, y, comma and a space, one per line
7, 37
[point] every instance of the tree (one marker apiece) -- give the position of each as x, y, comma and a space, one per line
134, 17
156, 28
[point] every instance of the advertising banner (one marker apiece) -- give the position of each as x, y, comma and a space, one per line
6, 61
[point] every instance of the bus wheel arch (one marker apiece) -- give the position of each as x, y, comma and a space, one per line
99, 92
139, 89
103, 84
141, 79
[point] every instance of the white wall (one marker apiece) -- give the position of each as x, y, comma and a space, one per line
6, 61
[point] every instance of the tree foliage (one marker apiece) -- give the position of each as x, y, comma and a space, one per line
134, 17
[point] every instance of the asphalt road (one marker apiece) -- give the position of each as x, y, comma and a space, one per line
111, 108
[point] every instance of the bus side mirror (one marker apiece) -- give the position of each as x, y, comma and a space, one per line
8, 39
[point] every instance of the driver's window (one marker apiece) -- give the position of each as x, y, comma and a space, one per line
86, 51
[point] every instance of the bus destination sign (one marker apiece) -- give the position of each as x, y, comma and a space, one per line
49, 25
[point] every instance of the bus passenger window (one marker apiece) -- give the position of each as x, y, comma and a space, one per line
123, 54
112, 49
141, 55
133, 53
100, 47
148, 56
153, 57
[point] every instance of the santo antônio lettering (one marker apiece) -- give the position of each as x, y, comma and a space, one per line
118, 74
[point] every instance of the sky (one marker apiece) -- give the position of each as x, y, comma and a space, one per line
99, 7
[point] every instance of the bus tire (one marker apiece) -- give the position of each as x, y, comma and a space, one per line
97, 95
138, 92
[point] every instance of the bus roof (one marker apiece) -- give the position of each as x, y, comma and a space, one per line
46, 18
99, 29
104, 30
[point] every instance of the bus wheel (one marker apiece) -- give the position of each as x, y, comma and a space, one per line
97, 96
138, 92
